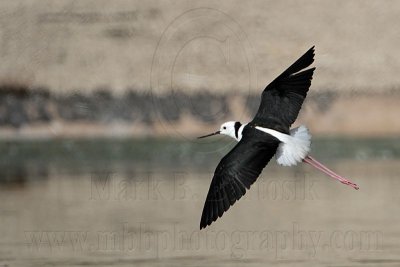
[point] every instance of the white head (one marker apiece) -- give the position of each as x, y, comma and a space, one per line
229, 128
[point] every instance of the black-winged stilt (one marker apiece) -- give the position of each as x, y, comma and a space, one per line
268, 134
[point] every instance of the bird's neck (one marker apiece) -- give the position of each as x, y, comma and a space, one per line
239, 131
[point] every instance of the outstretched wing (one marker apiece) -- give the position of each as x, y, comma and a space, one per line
281, 100
236, 172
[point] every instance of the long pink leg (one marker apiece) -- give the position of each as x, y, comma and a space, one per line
313, 162
326, 170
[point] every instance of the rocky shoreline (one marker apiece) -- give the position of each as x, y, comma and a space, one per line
26, 112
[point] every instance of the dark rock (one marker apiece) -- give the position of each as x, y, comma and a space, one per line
76, 107
38, 104
142, 106
208, 108
324, 100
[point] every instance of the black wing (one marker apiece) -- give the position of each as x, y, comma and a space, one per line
281, 100
236, 172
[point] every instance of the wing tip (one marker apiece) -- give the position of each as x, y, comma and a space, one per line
312, 49
301, 63
206, 220
310, 53
204, 223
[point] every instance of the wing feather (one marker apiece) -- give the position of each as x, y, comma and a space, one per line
236, 172
282, 99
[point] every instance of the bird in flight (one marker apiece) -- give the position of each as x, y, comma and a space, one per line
268, 134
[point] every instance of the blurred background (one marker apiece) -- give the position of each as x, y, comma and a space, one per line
101, 103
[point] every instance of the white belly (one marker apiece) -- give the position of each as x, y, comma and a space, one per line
294, 147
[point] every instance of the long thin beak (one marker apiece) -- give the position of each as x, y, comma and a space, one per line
318, 165
217, 132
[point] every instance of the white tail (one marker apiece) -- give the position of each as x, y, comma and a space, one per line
295, 147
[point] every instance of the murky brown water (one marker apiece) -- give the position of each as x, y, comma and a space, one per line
141, 216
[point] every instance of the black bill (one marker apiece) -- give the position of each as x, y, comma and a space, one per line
217, 132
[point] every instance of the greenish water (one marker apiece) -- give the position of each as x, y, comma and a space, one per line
150, 149
81, 155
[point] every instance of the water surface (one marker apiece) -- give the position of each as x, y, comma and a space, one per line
130, 202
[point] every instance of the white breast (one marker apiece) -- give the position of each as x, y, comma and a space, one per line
294, 147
